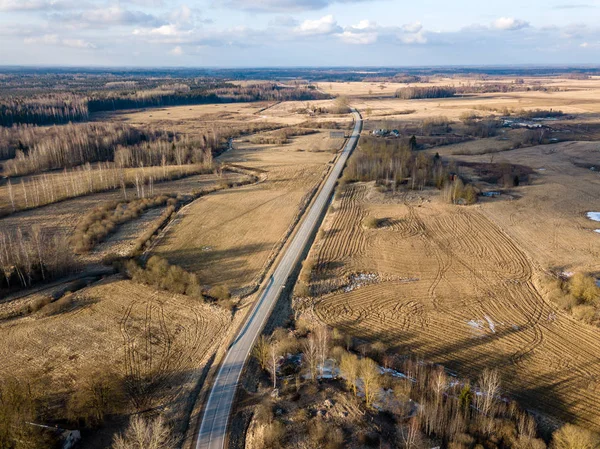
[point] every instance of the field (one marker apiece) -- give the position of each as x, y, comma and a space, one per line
117, 327
228, 237
62, 217
467, 286
136, 333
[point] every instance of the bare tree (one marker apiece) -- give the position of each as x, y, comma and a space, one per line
310, 354
261, 352
439, 384
11, 195
489, 383
371, 380
573, 437
411, 434
273, 360
349, 366
147, 434
323, 340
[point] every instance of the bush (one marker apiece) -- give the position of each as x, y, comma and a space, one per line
371, 223
307, 268
273, 435
302, 290
61, 305
145, 433
38, 304
220, 292
573, 437
103, 220
585, 313
160, 274
584, 288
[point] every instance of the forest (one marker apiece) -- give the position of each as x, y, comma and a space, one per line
30, 103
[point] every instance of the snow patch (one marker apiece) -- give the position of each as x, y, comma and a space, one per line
482, 326
360, 280
594, 216
490, 324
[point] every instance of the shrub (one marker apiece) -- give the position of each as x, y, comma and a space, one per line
103, 220
307, 268
38, 304
160, 274
273, 435
146, 433
573, 437
61, 305
220, 292
584, 288
585, 313
371, 223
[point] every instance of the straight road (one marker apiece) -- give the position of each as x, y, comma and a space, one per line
213, 428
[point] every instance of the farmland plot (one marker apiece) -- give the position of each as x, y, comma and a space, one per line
230, 236
117, 326
451, 286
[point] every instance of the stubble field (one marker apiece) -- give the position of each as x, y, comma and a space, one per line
467, 286
228, 237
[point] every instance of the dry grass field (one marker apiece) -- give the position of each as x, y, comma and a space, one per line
63, 217
466, 286
119, 327
573, 97
453, 287
228, 237
40, 190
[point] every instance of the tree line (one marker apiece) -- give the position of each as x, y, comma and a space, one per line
41, 149
31, 255
417, 93
394, 162
61, 108
396, 401
43, 109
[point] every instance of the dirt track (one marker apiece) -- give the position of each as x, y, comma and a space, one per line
458, 290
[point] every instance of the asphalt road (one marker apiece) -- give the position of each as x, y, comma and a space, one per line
213, 429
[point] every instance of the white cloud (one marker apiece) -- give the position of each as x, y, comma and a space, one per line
509, 24
365, 25
324, 25
50, 39
176, 51
183, 14
280, 5
165, 30
33, 5
77, 43
54, 39
350, 37
414, 27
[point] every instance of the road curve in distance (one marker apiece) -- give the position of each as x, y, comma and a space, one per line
213, 428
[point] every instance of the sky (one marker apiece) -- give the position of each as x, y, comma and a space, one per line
294, 33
